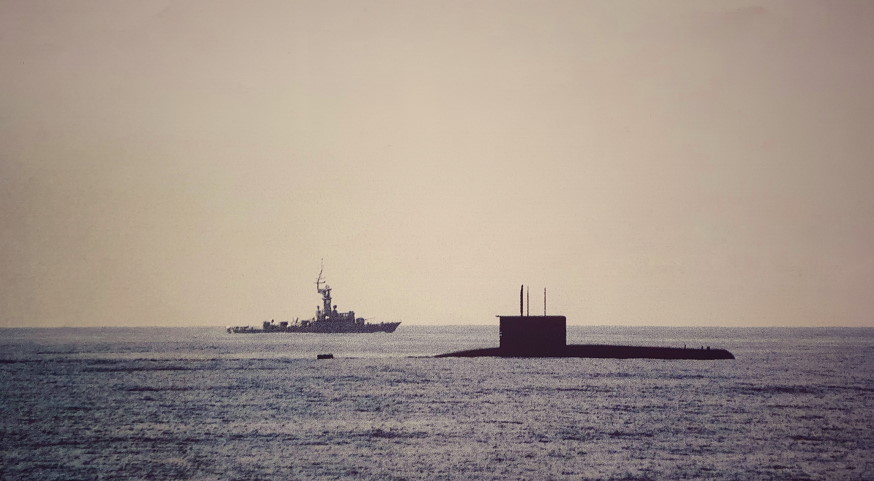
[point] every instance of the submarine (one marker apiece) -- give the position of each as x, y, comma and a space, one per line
546, 336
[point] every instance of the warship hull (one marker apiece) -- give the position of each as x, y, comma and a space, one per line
326, 328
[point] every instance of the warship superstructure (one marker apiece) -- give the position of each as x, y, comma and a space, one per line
326, 320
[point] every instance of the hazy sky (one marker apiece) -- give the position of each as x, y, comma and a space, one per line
649, 162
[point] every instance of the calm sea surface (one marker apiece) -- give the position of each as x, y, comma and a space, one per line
200, 404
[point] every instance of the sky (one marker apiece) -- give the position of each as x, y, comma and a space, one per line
174, 163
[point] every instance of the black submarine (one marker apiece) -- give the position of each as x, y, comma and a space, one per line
546, 336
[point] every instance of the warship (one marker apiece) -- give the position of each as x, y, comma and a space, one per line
327, 319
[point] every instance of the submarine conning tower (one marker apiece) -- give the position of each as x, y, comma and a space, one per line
527, 335
532, 335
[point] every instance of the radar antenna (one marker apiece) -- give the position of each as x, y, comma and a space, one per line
326, 295
319, 280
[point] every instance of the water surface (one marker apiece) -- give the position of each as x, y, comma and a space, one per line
197, 403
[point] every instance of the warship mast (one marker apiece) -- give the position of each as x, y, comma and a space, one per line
326, 296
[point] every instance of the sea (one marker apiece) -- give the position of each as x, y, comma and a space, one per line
201, 404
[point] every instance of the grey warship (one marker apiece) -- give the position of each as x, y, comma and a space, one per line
327, 320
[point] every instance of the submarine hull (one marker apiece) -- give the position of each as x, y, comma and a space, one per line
601, 351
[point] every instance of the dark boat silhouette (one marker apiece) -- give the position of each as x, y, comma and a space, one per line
546, 336
327, 320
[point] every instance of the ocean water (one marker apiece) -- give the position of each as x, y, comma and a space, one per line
200, 404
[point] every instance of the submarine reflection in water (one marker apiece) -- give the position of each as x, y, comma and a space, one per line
546, 336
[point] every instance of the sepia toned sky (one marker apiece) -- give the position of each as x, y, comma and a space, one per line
650, 163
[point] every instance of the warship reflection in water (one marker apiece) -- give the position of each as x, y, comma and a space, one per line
327, 320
